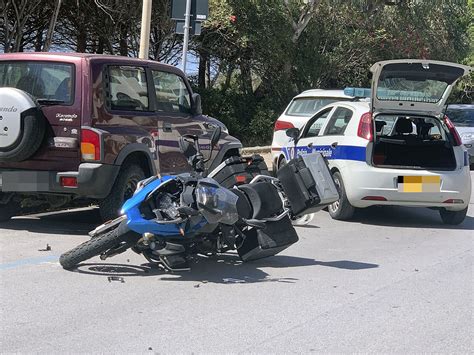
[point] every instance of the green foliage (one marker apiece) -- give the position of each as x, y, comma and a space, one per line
255, 55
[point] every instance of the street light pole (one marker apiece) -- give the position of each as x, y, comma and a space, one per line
145, 29
187, 27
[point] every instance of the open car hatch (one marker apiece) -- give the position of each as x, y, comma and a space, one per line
413, 85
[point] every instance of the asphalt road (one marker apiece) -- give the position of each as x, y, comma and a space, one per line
393, 280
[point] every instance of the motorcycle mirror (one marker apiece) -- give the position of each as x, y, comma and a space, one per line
293, 133
187, 147
216, 135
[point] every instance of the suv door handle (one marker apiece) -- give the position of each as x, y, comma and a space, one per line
334, 145
166, 127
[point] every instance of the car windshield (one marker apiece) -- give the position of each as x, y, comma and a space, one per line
308, 106
461, 117
49, 82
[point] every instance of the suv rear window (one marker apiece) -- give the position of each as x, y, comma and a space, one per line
308, 106
46, 81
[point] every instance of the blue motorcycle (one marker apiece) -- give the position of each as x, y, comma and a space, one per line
171, 219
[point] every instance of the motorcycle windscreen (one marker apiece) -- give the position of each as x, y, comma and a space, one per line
215, 203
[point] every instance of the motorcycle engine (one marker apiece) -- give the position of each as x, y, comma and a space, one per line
167, 206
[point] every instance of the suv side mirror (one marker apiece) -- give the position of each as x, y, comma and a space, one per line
293, 133
196, 108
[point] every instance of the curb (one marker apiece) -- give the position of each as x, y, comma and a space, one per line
257, 150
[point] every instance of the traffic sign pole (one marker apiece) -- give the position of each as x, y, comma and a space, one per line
187, 20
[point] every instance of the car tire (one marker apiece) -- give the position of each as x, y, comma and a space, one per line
452, 217
123, 188
8, 210
342, 209
281, 163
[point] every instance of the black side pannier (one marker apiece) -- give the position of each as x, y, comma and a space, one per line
308, 184
259, 243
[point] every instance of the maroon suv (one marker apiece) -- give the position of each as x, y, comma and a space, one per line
85, 127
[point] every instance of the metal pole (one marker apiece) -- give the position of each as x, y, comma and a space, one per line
145, 29
187, 27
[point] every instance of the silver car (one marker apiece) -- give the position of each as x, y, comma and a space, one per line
463, 118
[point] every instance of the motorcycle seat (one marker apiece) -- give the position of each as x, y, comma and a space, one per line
263, 198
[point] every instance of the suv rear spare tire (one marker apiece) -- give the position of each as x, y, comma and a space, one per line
22, 126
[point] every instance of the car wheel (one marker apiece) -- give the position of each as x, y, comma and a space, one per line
341, 209
453, 217
9, 210
123, 188
281, 163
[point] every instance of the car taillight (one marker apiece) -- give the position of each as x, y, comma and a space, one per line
282, 125
366, 127
90, 144
453, 131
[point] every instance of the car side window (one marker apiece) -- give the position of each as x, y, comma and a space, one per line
338, 122
316, 123
128, 88
172, 94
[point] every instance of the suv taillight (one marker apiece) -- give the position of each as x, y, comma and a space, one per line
366, 127
90, 144
282, 125
453, 131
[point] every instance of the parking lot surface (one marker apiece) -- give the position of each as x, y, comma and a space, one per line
393, 280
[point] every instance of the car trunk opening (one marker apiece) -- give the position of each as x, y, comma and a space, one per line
412, 142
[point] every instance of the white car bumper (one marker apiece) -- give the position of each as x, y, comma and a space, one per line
368, 186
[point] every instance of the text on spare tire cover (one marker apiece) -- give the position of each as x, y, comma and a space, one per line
8, 109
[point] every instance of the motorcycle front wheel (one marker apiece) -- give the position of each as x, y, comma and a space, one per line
98, 245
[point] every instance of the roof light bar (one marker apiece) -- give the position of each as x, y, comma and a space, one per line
357, 92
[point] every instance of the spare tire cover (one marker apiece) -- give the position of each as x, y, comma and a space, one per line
22, 125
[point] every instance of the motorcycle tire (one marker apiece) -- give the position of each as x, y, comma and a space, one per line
99, 244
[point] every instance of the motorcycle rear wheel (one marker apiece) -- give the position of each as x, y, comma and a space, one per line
99, 244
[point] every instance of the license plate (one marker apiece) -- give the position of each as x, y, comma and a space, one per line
419, 184
24, 181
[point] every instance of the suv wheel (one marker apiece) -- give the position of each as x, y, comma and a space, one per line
453, 217
341, 209
8, 210
123, 188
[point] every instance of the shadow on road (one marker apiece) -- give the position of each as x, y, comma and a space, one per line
223, 269
76, 222
395, 216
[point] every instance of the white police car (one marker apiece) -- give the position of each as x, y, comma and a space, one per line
298, 112
397, 149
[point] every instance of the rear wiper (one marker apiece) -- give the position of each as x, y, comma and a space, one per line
50, 101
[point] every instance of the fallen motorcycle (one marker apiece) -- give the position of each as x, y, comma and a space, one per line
170, 219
